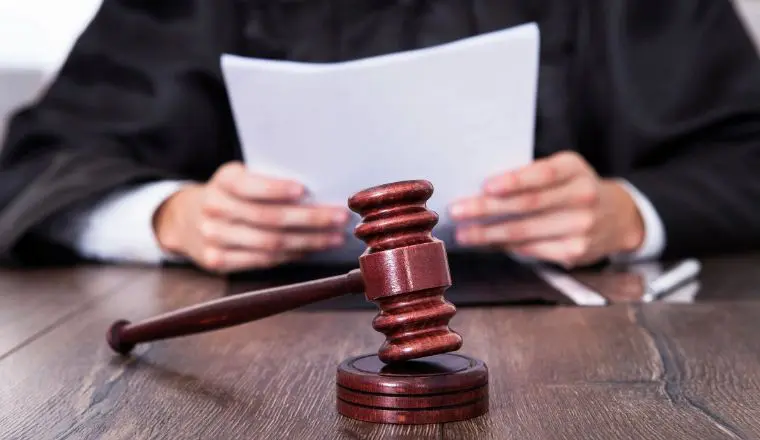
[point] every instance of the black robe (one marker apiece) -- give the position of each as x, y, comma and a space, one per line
665, 94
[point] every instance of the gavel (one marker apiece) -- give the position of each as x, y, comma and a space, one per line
414, 377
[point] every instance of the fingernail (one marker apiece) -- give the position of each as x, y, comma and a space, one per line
336, 240
296, 190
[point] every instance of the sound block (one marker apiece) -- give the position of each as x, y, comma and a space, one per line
435, 389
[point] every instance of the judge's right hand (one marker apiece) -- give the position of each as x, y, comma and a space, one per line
239, 221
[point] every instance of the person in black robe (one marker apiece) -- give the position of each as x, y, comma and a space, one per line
664, 96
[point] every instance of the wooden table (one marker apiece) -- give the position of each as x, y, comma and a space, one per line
664, 371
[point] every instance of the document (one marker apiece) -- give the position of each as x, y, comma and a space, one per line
454, 114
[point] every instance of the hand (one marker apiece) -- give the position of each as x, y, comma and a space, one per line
561, 212
240, 220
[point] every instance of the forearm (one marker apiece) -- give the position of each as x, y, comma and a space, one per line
684, 124
707, 206
118, 228
653, 240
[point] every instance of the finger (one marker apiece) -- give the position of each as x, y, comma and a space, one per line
229, 260
540, 227
576, 193
220, 205
565, 251
542, 173
240, 236
235, 179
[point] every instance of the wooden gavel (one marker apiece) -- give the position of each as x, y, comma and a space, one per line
404, 271
413, 378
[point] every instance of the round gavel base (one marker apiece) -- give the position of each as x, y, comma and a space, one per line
436, 389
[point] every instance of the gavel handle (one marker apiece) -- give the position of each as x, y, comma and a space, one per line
230, 311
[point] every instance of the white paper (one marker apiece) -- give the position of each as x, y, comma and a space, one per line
578, 292
453, 114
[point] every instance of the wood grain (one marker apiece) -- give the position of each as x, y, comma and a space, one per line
659, 371
273, 378
711, 359
577, 373
586, 411
558, 345
35, 301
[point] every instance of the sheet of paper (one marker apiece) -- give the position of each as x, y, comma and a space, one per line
453, 114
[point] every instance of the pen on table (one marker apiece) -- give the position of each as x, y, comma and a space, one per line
671, 279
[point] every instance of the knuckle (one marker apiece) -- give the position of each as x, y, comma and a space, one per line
571, 157
529, 202
587, 197
588, 193
207, 205
319, 218
208, 230
578, 249
254, 213
586, 222
309, 241
584, 246
322, 242
519, 231
548, 172
211, 206
228, 172
257, 261
571, 160
267, 262
525, 249
479, 206
232, 168
212, 258
270, 216
273, 242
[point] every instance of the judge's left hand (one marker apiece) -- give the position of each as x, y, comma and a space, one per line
562, 213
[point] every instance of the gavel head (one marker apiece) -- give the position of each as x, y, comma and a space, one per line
405, 270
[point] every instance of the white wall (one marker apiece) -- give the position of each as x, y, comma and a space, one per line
39, 33
35, 38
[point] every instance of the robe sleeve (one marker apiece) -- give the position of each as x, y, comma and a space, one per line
685, 85
140, 98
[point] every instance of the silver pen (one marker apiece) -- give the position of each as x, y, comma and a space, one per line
671, 279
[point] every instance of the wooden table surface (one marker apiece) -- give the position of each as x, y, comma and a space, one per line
660, 370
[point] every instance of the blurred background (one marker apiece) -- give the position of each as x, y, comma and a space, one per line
36, 35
